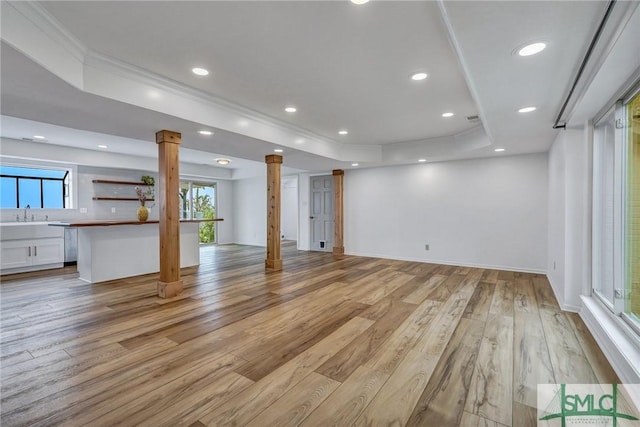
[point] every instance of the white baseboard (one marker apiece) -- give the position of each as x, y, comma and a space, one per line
444, 262
561, 303
613, 337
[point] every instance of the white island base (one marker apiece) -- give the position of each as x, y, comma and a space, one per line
118, 251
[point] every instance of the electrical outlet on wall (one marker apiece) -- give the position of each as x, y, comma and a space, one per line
426, 247
83, 210
113, 210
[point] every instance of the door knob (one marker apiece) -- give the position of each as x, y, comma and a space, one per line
311, 217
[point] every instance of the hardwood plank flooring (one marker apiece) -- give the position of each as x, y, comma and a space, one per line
327, 341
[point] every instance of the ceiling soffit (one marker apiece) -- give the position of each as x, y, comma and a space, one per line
92, 73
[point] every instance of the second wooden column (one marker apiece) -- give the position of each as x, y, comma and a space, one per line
274, 257
338, 207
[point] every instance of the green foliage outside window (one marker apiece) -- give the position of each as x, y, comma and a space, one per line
203, 205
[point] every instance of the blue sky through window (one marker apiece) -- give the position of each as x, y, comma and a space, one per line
35, 187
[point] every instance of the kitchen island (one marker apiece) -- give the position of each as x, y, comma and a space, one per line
109, 250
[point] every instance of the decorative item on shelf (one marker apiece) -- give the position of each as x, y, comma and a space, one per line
150, 182
143, 212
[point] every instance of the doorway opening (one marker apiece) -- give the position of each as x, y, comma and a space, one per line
198, 201
289, 210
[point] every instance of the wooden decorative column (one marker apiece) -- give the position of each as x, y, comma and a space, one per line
338, 207
274, 258
168, 188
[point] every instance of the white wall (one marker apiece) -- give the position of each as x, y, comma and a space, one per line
289, 208
250, 211
224, 228
304, 224
556, 233
484, 212
569, 238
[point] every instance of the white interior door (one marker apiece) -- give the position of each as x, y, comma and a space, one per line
321, 213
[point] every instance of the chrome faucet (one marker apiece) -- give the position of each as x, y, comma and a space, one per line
25, 212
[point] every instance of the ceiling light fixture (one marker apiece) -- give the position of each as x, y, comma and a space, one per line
359, 2
419, 76
527, 109
291, 109
355, 164
278, 150
205, 132
343, 132
447, 115
422, 160
223, 161
532, 49
38, 137
103, 146
499, 150
200, 71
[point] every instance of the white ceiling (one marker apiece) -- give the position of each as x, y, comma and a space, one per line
343, 66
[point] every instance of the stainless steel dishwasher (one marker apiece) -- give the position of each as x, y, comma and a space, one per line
70, 246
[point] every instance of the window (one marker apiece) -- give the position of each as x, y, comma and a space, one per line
23, 187
603, 192
632, 212
198, 201
616, 210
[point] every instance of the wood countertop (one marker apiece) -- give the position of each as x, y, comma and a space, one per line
98, 223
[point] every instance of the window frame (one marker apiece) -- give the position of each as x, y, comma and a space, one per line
626, 128
17, 179
70, 193
620, 188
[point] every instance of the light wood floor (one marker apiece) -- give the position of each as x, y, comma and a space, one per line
357, 341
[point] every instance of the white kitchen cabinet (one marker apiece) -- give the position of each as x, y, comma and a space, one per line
47, 251
15, 254
28, 253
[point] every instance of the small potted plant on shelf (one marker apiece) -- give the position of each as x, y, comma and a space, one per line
149, 182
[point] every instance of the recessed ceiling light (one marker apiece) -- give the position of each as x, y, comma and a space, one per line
343, 132
532, 49
355, 164
205, 132
291, 109
223, 161
418, 76
422, 160
38, 137
200, 71
499, 150
527, 109
103, 146
359, 2
278, 150
447, 115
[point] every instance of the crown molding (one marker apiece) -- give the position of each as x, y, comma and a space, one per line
50, 26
